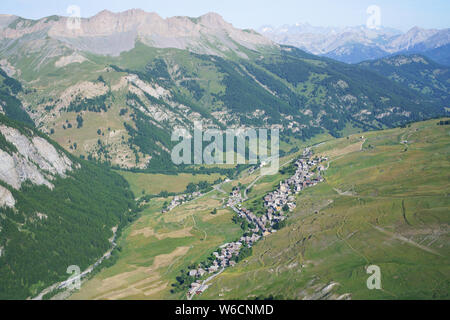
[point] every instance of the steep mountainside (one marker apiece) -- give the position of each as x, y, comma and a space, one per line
417, 72
121, 108
10, 105
55, 211
113, 33
441, 54
356, 44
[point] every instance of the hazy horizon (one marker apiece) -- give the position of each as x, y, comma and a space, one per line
254, 14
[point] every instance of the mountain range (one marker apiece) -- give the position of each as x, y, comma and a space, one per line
356, 44
115, 88
113, 33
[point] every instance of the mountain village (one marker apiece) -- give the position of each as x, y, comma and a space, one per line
181, 199
277, 204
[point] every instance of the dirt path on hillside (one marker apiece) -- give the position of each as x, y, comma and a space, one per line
339, 234
411, 242
347, 193
196, 227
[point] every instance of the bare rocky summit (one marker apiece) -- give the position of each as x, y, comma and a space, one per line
112, 33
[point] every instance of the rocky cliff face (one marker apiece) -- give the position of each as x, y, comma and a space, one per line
34, 159
6, 198
47, 219
113, 33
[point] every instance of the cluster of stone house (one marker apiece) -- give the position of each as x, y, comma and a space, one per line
260, 223
200, 272
235, 198
180, 199
250, 240
284, 196
197, 288
263, 225
223, 259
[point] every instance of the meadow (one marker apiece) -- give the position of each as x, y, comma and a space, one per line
156, 183
157, 246
385, 202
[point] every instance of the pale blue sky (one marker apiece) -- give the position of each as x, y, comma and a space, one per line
400, 14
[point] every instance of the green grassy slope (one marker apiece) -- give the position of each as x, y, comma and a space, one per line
158, 245
386, 204
127, 125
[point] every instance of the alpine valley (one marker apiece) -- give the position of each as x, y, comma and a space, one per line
87, 110
115, 88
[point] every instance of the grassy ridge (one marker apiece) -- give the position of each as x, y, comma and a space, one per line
128, 127
386, 204
416, 72
11, 106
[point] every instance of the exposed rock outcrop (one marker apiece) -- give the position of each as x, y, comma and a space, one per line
36, 160
14, 170
6, 198
112, 33
66, 60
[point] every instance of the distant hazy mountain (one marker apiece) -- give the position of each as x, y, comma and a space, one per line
356, 44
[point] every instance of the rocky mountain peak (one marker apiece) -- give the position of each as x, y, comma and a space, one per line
113, 33
212, 19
